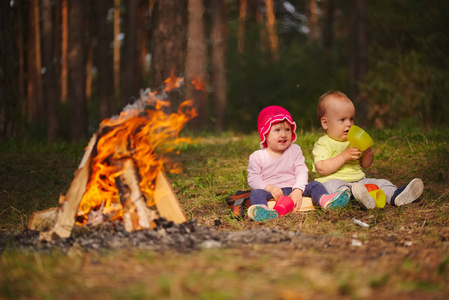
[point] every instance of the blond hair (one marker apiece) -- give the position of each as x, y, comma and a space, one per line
325, 98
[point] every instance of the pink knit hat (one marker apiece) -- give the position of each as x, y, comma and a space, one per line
270, 115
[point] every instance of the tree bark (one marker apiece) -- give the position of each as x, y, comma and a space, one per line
21, 59
116, 45
35, 105
104, 59
196, 62
328, 28
168, 44
312, 15
358, 56
271, 29
77, 71
49, 77
219, 45
8, 74
243, 6
131, 71
64, 51
142, 39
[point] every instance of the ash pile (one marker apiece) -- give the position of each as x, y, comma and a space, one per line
184, 237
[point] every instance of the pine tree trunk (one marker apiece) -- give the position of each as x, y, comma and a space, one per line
116, 45
131, 71
219, 45
64, 50
358, 55
49, 78
35, 105
243, 5
271, 29
312, 15
89, 71
21, 59
8, 75
328, 28
104, 60
168, 44
77, 71
196, 62
142, 39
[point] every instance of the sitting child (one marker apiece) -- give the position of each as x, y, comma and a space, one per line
340, 166
279, 169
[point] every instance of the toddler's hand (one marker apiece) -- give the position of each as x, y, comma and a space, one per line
351, 153
296, 196
298, 203
275, 191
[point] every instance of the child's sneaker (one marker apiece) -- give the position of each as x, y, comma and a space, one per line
262, 213
334, 200
362, 196
409, 193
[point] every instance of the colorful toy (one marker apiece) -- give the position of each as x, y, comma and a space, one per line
359, 139
377, 194
284, 205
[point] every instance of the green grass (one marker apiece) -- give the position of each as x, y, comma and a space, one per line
403, 252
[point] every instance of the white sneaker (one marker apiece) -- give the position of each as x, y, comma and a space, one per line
411, 192
362, 196
261, 213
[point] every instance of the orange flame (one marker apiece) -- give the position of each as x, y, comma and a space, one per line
144, 136
173, 82
198, 84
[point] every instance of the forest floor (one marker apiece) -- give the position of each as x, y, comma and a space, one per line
403, 254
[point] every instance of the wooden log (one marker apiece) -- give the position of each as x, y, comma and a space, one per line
65, 219
166, 202
42, 220
135, 213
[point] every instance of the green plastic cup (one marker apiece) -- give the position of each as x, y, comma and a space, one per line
359, 139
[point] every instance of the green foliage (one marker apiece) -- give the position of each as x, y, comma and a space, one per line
407, 80
408, 77
295, 81
403, 252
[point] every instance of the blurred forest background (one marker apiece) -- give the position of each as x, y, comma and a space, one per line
68, 64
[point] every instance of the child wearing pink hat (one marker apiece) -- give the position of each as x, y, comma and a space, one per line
279, 169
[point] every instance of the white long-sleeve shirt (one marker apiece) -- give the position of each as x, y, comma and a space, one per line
289, 170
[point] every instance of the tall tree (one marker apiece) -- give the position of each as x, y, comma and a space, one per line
49, 77
243, 6
328, 26
116, 45
168, 42
196, 61
142, 39
218, 61
64, 50
271, 28
77, 71
35, 104
21, 53
8, 73
104, 59
312, 15
358, 64
131, 71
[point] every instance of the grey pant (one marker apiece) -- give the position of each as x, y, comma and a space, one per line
386, 186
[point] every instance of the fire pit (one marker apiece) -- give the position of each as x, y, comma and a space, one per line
121, 175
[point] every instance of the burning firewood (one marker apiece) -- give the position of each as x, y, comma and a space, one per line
120, 176
65, 219
135, 215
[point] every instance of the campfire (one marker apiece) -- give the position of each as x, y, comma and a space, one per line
121, 176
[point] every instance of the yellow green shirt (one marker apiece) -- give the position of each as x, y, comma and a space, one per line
326, 147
